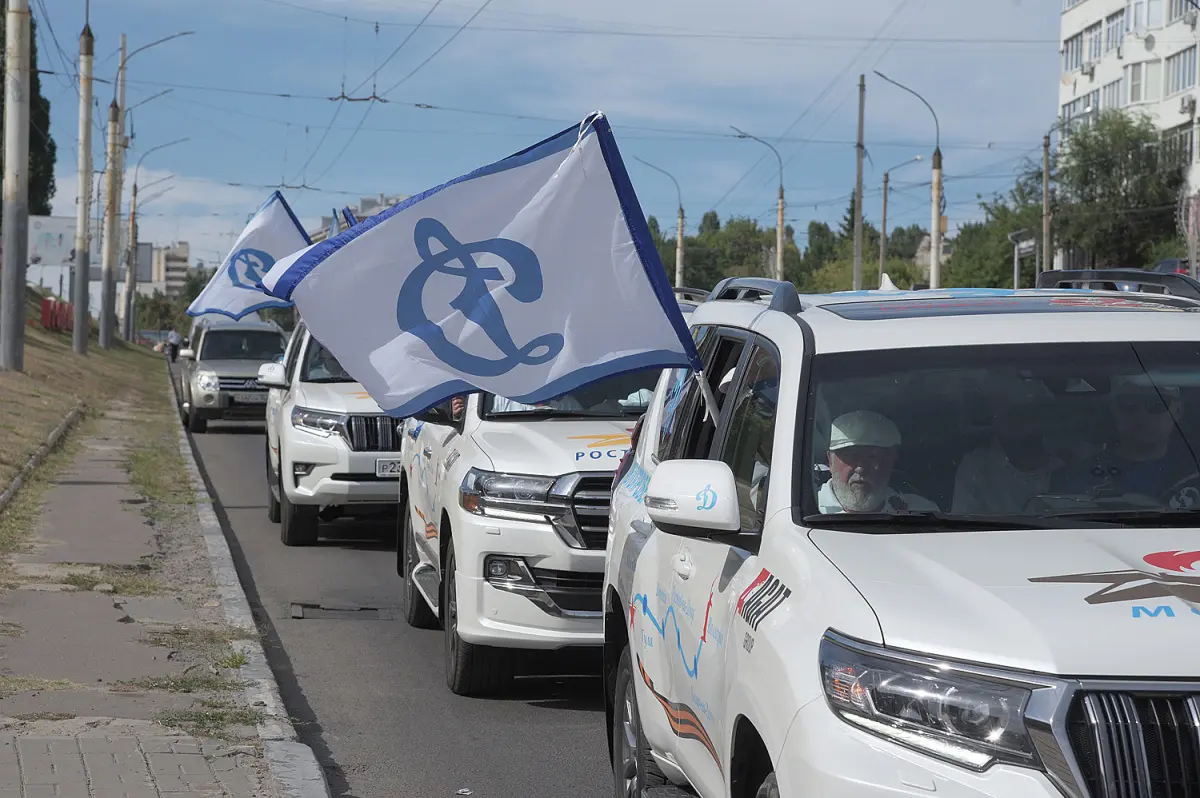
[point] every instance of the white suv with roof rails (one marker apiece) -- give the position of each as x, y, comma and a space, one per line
934, 543
504, 521
330, 449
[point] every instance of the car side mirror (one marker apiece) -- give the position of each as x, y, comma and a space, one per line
694, 498
272, 375
187, 354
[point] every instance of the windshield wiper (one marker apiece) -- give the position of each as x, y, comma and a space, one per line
331, 379
1166, 518
936, 521
549, 413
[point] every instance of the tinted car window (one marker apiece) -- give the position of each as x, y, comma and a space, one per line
242, 345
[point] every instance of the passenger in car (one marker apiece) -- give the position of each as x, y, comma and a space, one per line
1005, 473
863, 447
1149, 457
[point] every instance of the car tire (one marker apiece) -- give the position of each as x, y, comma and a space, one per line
273, 507
195, 423
634, 770
769, 788
471, 670
416, 609
298, 523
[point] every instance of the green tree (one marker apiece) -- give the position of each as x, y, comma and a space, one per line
822, 246
42, 150
1118, 182
710, 223
655, 232
903, 242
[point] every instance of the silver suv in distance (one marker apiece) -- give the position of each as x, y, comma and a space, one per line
219, 376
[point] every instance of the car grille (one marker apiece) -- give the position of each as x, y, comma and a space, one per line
589, 504
1137, 745
239, 384
373, 433
572, 590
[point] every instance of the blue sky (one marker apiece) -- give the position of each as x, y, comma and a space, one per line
671, 75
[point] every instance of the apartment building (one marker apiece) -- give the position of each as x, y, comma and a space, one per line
1137, 55
171, 267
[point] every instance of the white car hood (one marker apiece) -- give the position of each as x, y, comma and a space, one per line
336, 397
1105, 603
552, 447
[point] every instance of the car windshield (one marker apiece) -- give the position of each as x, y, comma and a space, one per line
263, 345
1012, 435
321, 366
619, 396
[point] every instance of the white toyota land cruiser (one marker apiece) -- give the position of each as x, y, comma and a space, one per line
330, 449
936, 543
503, 535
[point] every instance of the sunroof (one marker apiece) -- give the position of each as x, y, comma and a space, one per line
1000, 305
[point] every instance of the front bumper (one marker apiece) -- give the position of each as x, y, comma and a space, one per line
223, 405
336, 476
825, 757
556, 612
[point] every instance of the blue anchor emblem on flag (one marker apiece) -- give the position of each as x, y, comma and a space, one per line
475, 300
247, 267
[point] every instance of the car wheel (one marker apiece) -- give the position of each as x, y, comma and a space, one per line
195, 423
634, 770
769, 788
471, 670
273, 509
416, 609
298, 522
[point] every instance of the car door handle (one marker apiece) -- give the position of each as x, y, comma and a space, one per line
428, 452
683, 566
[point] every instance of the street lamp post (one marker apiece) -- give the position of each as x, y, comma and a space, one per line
883, 233
679, 225
1017, 238
116, 164
935, 231
779, 222
128, 301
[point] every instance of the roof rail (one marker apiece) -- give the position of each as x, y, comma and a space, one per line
691, 294
784, 296
1181, 285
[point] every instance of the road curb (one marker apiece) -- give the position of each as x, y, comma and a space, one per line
38, 456
292, 763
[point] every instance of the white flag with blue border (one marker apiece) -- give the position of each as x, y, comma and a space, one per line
527, 278
234, 290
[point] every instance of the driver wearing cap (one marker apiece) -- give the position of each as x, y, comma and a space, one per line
863, 447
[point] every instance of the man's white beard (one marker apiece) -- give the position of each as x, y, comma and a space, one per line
858, 497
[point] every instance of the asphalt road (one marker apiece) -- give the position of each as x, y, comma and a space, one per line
370, 695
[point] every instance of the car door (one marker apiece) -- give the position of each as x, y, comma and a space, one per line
709, 574
426, 434
277, 396
671, 611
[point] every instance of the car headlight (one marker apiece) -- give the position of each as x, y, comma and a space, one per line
515, 496
964, 718
318, 421
207, 381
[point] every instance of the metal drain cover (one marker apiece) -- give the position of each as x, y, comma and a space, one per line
305, 610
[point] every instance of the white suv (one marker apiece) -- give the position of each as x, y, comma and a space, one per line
505, 522
330, 449
935, 543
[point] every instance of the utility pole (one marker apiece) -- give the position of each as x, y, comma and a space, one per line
679, 250
81, 282
1193, 207
935, 232
1046, 258
778, 236
111, 199
129, 295
16, 187
883, 228
858, 187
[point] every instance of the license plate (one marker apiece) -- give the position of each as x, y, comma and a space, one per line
389, 468
250, 398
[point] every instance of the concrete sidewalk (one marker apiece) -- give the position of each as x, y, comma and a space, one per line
119, 674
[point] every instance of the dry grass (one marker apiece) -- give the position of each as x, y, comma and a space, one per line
32, 403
